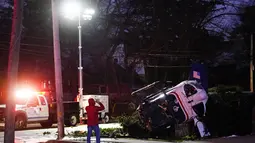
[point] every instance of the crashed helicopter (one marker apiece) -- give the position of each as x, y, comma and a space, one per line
162, 105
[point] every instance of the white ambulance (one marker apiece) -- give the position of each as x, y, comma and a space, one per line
34, 107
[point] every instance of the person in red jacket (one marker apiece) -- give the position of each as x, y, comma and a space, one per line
92, 121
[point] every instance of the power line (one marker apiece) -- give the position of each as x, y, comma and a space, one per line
34, 37
36, 50
25, 44
27, 49
28, 52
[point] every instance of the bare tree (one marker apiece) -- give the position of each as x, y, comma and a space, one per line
150, 28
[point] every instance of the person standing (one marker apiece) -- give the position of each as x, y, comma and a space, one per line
92, 121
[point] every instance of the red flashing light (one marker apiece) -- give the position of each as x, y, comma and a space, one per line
24, 93
41, 93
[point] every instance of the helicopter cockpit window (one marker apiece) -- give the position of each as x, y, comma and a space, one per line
198, 86
189, 90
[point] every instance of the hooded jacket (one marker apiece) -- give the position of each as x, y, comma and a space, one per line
92, 112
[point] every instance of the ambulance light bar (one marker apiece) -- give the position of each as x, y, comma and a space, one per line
24, 93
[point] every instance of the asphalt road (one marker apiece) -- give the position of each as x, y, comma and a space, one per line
34, 133
34, 126
243, 139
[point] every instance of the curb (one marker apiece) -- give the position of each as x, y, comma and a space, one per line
108, 141
58, 141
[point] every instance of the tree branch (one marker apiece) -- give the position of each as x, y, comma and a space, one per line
217, 16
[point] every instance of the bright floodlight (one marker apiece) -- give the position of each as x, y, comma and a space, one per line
89, 11
71, 9
87, 17
24, 93
87, 14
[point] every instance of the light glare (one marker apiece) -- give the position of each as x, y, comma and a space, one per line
87, 17
71, 9
24, 93
89, 11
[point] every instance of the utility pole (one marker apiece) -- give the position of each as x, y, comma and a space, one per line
58, 71
13, 63
251, 64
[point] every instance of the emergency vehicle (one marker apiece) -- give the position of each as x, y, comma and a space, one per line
36, 107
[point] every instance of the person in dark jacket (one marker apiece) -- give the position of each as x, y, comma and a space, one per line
92, 121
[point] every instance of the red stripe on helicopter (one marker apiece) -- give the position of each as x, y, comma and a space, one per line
186, 114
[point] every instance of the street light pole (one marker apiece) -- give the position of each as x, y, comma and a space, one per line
80, 68
87, 16
71, 11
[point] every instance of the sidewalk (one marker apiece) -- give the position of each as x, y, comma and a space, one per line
114, 140
106, 140
240, 139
